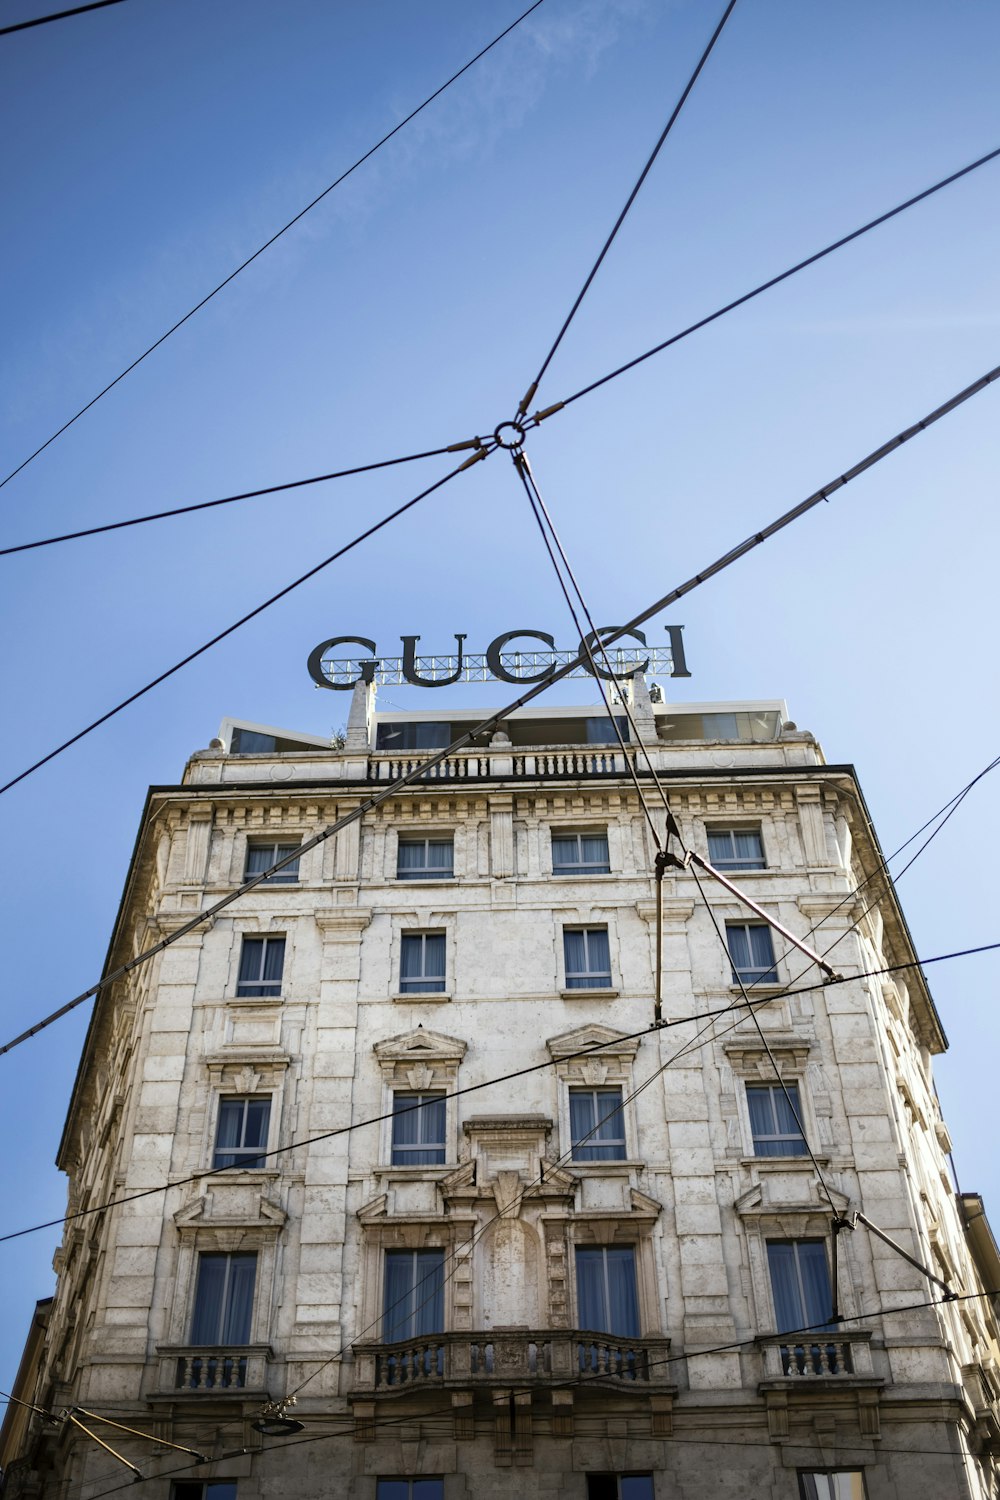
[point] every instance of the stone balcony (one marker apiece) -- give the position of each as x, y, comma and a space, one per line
559, 761
838, 1358
524, 1358
196, 1370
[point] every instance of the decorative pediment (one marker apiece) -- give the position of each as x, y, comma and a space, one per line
420, 1046
603, 1041
750, 1058
375, 1208
793, 1192
235, 1208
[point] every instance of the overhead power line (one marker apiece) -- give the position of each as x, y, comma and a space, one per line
186, 510
59, 15
586, 390
278, 1446
274, 237
229, 630
530, 393
765, 286
709, 1015
421, 769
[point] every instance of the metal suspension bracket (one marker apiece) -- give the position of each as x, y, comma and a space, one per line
137, 1475
691, 857
950, 1295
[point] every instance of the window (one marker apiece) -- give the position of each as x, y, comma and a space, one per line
602, 731
619, 1487
241, 1137
261, 857
800, 1287
588, 958
414, 1294
580, 854
199, 1489
606, 1291
773, 1122
752, 954
597, 1124
735, 849
413, 736
425, 859
262, 962
832, 1484
421, 970
418, 1130
409, 1489
223, 1299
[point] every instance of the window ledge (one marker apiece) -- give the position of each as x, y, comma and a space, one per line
601, 1168
589, 994
754, 989
421, 997
784, 1163
420, 880
220, 1176
432, 1172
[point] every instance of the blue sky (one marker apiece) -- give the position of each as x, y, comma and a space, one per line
153, 145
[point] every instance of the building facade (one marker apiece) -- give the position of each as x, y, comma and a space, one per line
398, 1138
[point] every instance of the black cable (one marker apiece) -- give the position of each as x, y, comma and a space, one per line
535, 500
269, 242
59, 15
751, 1004
186, 510
530, 393
421, 1418
229, 630
423, 767
765, 286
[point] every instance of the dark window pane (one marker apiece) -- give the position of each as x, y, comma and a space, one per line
597, 1124
261, 857
602, 1487
637, 1487
223, 1303
607, 1294
418, 1129
414, 1294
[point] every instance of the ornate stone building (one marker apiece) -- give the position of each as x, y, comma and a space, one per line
393, 1134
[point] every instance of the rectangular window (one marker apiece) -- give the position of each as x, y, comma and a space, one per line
752, 953
418, 1129
203, 1489
261, 856
606, 1291
832, 1484
588, 958
773, 1120
735, 849
413, 735
425, 859
241, 1136
619, 1487
421, 970
580, 854
800, 1288
602, 731
414, 1294
262, 963
409, 1489
597, 1124
223, 1299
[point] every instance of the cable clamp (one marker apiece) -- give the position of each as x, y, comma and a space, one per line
527, 398
473, 459
475, 442
549, 411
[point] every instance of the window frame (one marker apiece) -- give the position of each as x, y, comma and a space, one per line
416, 1282
593, 1491
288, 876
242, 1150
813, 1473
411, 1149
589, 1248
581, 868
732, 861
602, 980
816, 1334
592, 1140
426, 871
794, 1087
225, 1309
410, 1481
758, 975
204, 1489
424, 984
260, 988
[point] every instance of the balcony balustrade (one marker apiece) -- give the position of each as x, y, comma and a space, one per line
199, 1370
836, 1358
570, 762
510, 1358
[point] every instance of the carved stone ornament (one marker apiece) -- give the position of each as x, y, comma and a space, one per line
420, 1078
247, 1080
